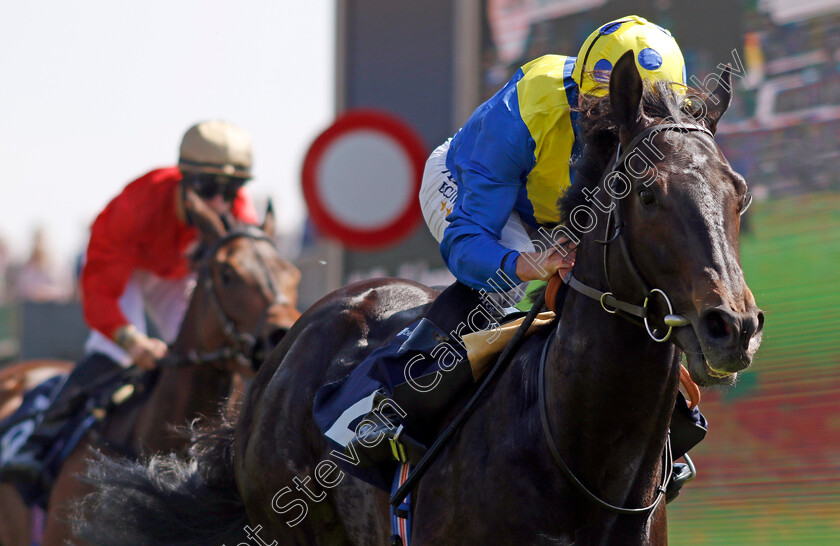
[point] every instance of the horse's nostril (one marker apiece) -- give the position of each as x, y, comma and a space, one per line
750, 328
717, 326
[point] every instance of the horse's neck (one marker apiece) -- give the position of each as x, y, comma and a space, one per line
610, 365
189, 336
184, 393
610, 393
605, 352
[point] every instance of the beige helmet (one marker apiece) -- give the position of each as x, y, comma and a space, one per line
216, 147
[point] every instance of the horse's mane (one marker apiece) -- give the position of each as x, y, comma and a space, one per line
599, 134
198, 254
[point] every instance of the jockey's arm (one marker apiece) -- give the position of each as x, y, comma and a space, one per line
142, 349
108, 269
490, 159
491, 164
552, 264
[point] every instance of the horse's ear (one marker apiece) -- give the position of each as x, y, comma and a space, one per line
626, 92
718, 102
269, 223
203, 217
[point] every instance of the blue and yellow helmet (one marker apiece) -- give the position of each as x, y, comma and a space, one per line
658, 57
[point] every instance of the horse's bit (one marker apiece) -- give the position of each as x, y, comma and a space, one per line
608, 301
246, 349
613, 305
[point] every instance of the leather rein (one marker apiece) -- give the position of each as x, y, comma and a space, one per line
613, 305
243, 348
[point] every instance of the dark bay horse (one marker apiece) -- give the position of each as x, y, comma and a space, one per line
244, 302
593, 391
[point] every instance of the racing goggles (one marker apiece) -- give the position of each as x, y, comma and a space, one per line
208, 186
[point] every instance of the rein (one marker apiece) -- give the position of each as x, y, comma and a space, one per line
667, 456
241, 347
613, 305
608, 301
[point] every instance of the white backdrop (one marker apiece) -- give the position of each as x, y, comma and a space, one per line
95, 93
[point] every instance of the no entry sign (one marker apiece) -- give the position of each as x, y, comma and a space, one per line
361, 178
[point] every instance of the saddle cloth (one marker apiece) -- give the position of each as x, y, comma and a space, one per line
339, 407
483, 347
16, 430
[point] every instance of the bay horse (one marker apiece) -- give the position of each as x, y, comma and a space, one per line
15, 380
244, 302
592, 392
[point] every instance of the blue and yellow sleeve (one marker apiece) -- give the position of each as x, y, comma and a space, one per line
490, 158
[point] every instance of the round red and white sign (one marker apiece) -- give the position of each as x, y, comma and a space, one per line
361, 178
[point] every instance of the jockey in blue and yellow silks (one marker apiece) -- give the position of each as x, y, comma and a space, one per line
513, 154
484, 194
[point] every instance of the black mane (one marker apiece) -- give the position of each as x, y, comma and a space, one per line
599, 135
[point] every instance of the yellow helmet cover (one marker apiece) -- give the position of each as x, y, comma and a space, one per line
658, 57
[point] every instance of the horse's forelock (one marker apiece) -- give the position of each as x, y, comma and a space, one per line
599, 135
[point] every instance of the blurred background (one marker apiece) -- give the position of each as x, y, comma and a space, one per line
94, 95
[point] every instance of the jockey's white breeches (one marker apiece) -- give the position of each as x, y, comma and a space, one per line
164, 300
437, 199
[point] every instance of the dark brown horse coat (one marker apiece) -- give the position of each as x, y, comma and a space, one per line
609, 388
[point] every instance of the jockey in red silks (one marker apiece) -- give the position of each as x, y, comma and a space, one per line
137, 263
486, 192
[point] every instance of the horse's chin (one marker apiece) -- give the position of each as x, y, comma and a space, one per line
698, 367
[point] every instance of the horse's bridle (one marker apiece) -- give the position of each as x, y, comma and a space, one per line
245, 349
608, 301
613, 305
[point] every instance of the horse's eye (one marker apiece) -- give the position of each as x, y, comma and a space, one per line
647, 198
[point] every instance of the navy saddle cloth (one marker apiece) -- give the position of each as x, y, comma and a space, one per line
16, 429
339, 407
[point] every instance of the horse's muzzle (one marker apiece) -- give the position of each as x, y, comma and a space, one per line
729, 339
